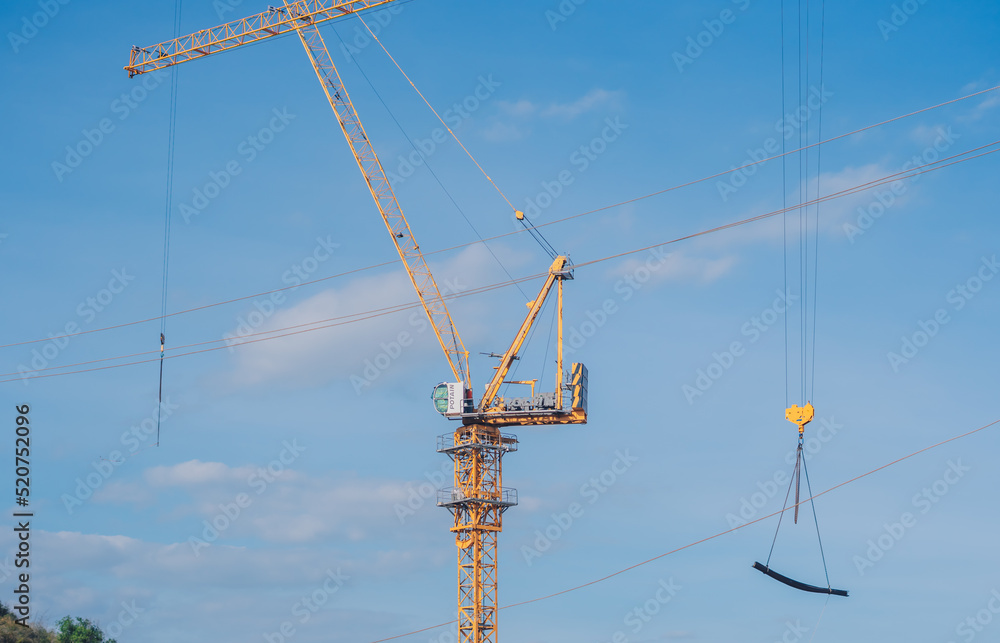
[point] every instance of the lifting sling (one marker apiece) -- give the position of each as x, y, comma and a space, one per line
800, 416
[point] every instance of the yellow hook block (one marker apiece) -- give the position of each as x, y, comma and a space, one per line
801, 415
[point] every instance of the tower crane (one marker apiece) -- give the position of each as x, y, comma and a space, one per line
478, 498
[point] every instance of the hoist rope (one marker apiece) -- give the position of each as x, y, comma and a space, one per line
426, 102
535, 233
784, 196
803, 197
171, 139
819, 177
426, 163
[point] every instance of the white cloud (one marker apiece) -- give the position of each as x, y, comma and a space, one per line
594, 99
981, 109
834, 213
519, 108
500, 132
193, 472
318, 357
678, 267
285, 505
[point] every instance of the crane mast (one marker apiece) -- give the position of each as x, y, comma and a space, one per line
478, 498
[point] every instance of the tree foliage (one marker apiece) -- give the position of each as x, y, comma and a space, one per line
71, 630
11, 632
80, 630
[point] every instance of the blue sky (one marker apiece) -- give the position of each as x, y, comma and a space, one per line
346, 501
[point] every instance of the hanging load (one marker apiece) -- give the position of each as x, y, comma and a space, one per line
800, 415
796, 584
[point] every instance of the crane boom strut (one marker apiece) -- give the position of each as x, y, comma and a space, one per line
378, 184
534, 308
273, 22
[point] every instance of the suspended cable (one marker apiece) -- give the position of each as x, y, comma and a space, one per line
859, 188
780, 517
546, 246
820, 619
340, 321
803, 196
171, 138
903, 175
536, 235
707, 538
819, 176
426, 161
812, 503
803, 415
431, 107
784, 197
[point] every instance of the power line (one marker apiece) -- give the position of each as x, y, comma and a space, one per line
713, 536
541, 225
399, 307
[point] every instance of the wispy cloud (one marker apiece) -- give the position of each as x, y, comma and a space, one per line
518, 108
593, 100
681, 267
500, 132
318, 357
